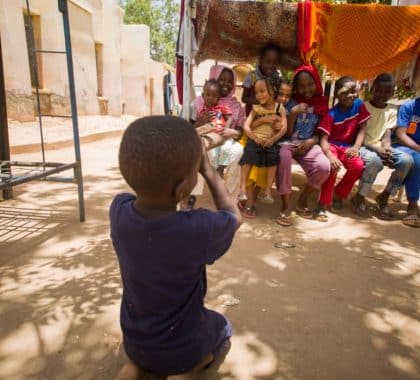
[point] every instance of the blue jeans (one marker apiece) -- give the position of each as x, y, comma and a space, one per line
412, 182
403, 163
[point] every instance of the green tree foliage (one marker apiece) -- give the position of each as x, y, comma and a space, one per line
162, 16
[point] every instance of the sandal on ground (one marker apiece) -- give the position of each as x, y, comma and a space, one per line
242, 197
337, 204
249, 212
411, 220
359, 207
241, 205
384, 211
284, 220
304, 212
320, 215
265, 198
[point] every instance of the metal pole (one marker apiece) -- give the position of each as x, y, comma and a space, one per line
4, 135
62, 6
187, 61
31, 50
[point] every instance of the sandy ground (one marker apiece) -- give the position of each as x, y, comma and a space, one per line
343, 304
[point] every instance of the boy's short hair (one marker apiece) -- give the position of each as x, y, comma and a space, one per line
157, 152
213, 83
384, 78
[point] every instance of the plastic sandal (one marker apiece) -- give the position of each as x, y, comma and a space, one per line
304, 212
284, 220
249, 213
241, 204
359, 208
384, 211
320, 215
411, 220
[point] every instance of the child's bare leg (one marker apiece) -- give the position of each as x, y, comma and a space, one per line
245, 170
304, 195
271, 175
286, 207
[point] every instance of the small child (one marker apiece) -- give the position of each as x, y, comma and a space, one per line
212, 92
267, 68
343, 132
261, 149
377, 150
163, 253
306, 109
285, 93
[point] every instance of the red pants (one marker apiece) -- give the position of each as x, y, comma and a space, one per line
354, 167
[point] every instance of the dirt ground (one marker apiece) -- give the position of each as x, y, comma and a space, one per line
343, 304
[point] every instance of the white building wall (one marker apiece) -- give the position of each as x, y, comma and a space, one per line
129, 75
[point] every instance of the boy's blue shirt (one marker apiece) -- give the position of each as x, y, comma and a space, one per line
163, 269
409, 117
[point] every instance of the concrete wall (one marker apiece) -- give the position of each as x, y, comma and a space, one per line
15, 60
124, 72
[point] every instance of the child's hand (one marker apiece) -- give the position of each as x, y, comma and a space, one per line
352, 152
260, 141
303, 147
229, 132
269, 143
277, 125
205, 118
300, 108
335, 164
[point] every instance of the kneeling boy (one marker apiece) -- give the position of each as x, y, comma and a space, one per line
163, 252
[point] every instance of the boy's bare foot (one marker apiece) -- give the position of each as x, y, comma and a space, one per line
359, 205
384, 211
129, 371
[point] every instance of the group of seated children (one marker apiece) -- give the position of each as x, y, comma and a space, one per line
287, 121
167, 330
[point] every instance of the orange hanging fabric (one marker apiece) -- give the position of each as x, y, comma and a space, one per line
358, 40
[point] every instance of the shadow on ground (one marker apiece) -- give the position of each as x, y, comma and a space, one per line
343, 304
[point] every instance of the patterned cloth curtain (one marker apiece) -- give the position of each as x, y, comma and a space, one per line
234, 31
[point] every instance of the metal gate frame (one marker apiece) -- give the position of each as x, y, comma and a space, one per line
42, 170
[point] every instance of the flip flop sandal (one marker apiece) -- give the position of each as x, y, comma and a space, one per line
284, 220
304, 212
384, 212
359, 208
249, 213
320, 216
241, 204
284, 245
411, 220
242, 197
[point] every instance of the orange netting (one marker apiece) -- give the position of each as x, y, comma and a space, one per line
361, 40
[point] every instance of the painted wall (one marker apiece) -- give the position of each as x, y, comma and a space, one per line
125, 76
